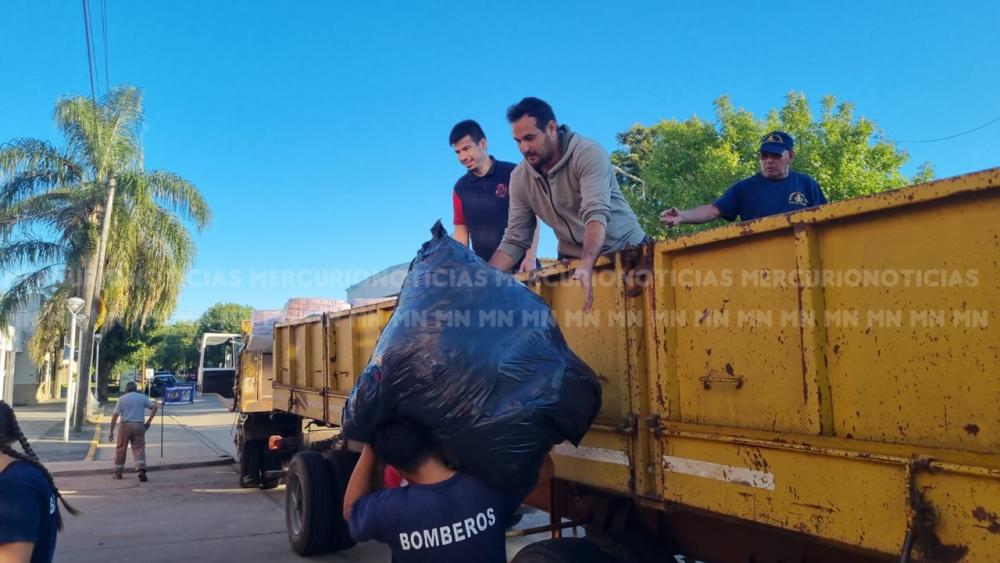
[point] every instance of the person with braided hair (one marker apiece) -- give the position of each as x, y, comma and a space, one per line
29, 514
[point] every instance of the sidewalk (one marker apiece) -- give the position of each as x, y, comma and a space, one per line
43, 425
182, 436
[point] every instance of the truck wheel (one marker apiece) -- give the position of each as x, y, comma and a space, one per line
249, 452
562, 550
309, 511
341, 463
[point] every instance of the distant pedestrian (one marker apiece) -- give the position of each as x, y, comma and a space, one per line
29, 513
131, 408
775, 189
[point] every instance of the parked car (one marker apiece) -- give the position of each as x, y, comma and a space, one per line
160, 382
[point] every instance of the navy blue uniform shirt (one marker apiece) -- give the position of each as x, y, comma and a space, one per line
457, 520
28, 509
758, 196
481, 204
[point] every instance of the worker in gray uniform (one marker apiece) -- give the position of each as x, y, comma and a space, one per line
131, 408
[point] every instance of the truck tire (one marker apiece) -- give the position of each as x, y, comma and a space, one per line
309, 512
341, 463
562, 550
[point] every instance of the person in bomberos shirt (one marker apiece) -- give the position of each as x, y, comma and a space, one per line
441, 516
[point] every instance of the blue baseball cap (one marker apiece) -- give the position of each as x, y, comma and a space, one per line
776, 142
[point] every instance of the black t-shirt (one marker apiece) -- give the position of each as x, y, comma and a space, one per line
28, 509
481, 204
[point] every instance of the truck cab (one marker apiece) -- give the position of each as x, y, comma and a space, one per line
217, 363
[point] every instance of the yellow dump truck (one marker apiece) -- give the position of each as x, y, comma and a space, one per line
816, 386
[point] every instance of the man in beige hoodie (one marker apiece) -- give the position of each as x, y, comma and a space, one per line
567, 181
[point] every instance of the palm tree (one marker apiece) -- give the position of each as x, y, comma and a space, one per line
68, 214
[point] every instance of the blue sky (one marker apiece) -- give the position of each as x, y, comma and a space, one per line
318, 130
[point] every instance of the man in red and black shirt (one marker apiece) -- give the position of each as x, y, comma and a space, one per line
481, 196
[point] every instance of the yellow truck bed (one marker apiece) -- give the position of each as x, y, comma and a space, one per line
832, 372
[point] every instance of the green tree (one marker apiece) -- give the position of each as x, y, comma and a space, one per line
689, 163
224, 317
176, 346
69, 214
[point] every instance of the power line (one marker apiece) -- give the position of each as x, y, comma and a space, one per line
92, 46
90, 74
104, 33
90, 57
987, 124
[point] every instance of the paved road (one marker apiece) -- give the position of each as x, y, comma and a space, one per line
191, 515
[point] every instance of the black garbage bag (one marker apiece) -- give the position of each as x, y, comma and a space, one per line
477, 358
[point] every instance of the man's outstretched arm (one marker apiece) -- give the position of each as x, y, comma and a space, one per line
703, 214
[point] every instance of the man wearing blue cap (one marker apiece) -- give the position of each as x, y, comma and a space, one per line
777, 189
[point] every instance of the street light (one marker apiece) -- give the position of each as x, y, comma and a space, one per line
74, 304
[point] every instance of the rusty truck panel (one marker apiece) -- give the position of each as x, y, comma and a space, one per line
255, 375
781, 372
838, 383
300, 376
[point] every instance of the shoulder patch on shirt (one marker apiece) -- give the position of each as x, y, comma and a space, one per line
501, 190
798, 198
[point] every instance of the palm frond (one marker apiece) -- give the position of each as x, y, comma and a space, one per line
29, 251
77, 118
153, 252
28, 166
43, 209
22, 289
178, 195
122, 109
106, 135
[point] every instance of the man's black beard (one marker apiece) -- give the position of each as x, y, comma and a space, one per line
541, 163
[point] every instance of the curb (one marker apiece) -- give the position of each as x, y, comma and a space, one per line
227, 460
94, 442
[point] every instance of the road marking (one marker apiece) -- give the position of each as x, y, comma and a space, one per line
603, 455
719, 472
93, 443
